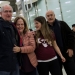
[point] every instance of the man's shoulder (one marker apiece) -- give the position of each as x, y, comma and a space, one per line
1, 19
62, 21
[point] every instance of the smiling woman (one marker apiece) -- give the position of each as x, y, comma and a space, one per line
27, 47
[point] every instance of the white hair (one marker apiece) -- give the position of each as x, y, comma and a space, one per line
2, 8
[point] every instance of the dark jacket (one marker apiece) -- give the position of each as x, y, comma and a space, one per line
67, 37
74, 40
8, 58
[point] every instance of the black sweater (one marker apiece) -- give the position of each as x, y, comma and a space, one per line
8, 59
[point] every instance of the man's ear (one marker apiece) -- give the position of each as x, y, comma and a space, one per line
0, 13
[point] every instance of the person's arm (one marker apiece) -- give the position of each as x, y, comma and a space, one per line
58, 51
31, 47
28, 48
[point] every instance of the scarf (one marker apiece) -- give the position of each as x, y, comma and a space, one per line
57, 30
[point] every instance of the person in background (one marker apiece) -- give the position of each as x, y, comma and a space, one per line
8, 38
73, 29
45, 49
30, 29
65, 41
27, 47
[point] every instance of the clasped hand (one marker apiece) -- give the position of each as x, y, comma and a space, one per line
16, 49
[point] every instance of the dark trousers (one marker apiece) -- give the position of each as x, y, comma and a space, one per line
34, 72
74, 55
69, 66
45, 67
16, 72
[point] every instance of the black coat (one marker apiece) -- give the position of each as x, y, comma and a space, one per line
67, 37
8, 59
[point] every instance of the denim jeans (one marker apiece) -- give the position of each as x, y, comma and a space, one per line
16, 72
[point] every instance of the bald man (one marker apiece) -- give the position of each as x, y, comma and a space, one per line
8, 38
65, 41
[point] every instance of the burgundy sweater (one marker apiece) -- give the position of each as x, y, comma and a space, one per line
44, 51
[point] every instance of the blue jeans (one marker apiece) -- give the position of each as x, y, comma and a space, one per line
16, 72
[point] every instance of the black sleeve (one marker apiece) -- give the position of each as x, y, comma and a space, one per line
69, 36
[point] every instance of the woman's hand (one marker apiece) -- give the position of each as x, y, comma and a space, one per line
16, 49
63, 59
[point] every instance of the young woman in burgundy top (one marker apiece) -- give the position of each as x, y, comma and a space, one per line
46, 47
27, 43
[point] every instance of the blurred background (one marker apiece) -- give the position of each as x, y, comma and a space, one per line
29, 9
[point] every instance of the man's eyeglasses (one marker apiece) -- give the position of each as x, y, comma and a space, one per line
6, 11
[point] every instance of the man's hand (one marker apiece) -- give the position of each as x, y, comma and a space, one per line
16, 49
70, 52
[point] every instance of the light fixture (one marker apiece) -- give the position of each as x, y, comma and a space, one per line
17, 0
68, 11
0, 2
32, 15
26, 0
13, 17
21, 14
59, 15
38, 10
58, 8
14, 12
67, 2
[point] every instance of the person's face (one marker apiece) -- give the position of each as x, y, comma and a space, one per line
37, 25
20, 26
50, 17
73, 28
6, 13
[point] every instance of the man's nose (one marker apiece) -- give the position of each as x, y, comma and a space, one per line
49, 16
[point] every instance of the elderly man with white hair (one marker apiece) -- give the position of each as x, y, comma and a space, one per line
8, 39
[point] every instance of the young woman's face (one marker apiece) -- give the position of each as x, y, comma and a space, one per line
20, 25
37, 25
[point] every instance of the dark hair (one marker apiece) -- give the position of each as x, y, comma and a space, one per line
46, 32
73, 25
30, 29
25, 24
